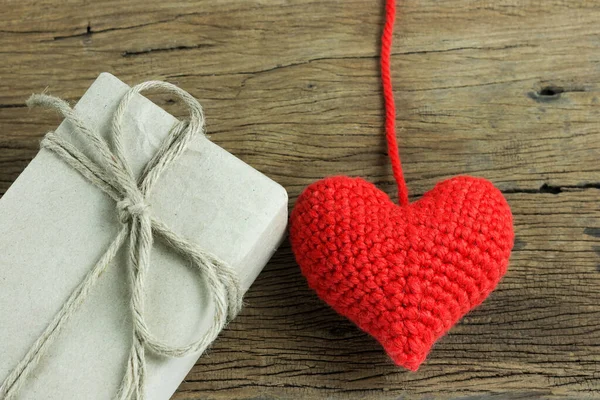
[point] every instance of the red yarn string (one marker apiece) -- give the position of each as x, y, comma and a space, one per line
390, 107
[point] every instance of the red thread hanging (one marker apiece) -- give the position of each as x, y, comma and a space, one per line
390, 105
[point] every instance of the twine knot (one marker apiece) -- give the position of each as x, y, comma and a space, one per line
128, 208
113, 175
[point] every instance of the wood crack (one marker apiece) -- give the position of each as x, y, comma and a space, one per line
89, 31
164, 49
462, 48
276, 67
552, 93
544, 189
360, 57
553, 189
14, 105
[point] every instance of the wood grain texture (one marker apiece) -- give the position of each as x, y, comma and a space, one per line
505, 89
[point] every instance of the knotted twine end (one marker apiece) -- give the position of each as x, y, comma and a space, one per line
127, 209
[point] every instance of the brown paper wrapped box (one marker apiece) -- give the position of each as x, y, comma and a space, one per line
54, 225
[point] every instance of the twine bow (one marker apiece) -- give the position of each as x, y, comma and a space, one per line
112, 174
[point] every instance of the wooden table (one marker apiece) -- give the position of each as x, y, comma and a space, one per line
505, 89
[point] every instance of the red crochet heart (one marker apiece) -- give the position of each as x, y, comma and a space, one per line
405, 275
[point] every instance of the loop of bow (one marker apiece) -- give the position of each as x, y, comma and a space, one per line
112, 174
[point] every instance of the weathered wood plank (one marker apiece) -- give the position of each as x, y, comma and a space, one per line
468, 98
329, 113
537, 335
505, 89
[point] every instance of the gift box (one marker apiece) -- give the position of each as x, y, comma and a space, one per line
55, 225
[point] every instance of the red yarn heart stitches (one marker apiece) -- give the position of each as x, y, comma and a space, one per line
404, 274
